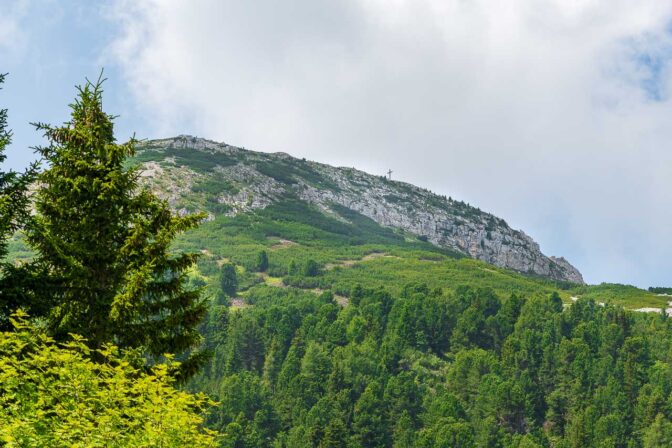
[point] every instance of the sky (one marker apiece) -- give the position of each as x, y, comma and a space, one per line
555, 115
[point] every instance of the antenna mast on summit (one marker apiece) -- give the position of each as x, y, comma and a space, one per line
389, 174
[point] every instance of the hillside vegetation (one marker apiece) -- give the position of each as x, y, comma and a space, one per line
352, 334
259, 201
327, 308
194, 174
341, 332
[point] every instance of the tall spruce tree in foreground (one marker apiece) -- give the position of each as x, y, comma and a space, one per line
13, 215
105, 242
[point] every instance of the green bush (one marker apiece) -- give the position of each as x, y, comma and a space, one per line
261, 264
55, 395
311, 268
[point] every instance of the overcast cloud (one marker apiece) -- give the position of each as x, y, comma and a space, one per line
554, 114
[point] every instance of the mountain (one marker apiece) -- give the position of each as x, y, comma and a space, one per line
195, 174
338, 316
348, 310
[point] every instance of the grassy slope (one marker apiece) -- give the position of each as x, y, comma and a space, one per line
292, 231
362, 252
626, 295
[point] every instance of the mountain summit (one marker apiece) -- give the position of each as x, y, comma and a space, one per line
195, 174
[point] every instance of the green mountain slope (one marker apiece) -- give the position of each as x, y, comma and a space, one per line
356, 335
364, 253
197, 174
349, 247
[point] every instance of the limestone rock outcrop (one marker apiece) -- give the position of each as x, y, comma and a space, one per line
255, 180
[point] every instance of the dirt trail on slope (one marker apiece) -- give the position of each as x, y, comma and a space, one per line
282, 244
351, 262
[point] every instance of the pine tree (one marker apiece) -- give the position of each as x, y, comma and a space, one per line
105, 241
404, 432
293, 269
368, 420
659, 434
311, 268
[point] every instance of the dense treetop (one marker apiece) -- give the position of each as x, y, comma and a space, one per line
430, 369
104, 244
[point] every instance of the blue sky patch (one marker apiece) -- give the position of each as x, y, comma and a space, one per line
653, 60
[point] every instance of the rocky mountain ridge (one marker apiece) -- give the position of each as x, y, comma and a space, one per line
197, 174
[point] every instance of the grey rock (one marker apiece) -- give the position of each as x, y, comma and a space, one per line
443, 221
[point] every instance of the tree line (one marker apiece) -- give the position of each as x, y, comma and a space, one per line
431, 369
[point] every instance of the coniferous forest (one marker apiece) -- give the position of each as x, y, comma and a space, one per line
129, 324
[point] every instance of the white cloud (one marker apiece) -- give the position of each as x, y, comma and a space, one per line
12, 37
540, 111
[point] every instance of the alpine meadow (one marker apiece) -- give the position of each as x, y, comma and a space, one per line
180, 291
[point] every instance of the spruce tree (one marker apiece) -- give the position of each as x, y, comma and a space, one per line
261, 264
228, 280
7, 182
13, 215
105, 241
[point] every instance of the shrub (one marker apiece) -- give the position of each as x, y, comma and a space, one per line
261, 264
311, 268
55, 395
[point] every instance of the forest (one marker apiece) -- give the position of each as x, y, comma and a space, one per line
429, 369
127, 324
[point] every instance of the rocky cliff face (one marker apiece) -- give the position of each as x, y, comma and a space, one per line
193, 173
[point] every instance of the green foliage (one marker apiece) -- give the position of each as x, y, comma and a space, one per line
428, 368
660, 290
199, 161
105, 243
659, 434
55, 395
261, 264
228, 279
620, 294
13, 216
311, 268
